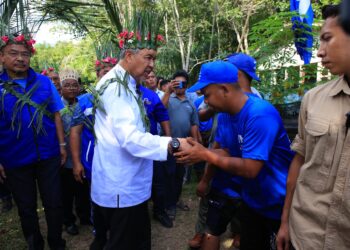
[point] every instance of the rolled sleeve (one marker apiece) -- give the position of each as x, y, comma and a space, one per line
298, 144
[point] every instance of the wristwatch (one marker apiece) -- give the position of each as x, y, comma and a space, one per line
175, 144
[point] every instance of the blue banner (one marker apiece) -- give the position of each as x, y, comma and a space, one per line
302, 28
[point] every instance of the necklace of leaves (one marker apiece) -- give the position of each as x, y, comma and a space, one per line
24, 99
122, 82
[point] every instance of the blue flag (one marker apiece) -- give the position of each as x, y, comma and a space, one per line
302, 27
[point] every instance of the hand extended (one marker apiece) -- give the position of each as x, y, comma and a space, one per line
282, 238
190, 152
79, 172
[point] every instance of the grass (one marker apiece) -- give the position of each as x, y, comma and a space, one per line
11, 237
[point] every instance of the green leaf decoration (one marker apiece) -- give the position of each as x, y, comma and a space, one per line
24, 100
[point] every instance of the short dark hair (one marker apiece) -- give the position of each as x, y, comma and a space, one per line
330, 11
163, 82
182, 73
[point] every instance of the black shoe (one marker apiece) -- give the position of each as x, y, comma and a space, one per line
60, 246
171, 213
164, 219
72, 229
97, 245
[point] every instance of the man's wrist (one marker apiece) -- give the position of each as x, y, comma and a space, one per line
174, 145
63, 144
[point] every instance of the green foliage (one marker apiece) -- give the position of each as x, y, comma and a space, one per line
79, 56
214, 25
272, 44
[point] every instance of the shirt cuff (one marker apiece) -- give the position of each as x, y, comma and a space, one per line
298, 146
163, 152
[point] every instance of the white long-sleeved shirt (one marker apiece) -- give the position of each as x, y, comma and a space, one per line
122, 166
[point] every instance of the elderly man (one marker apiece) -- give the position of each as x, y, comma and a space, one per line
124, 150
72, 192
31, 141
316, 213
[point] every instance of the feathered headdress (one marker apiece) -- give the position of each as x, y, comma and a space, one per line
142, 32
106, 54
47, 71
18, 24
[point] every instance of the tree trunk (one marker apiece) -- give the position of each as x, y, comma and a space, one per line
178, 32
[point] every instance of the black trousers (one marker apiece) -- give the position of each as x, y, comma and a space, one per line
4, 192
77, 193
129, 227
159, 186
179, 178
257, 231
23, 182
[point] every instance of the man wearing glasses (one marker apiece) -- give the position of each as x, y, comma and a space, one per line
32, 146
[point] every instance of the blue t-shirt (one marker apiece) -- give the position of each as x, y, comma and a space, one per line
156, 111
25, 136
226, 136
260, 135
204, 126
83, 115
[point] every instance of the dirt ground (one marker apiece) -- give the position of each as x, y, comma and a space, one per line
175, 238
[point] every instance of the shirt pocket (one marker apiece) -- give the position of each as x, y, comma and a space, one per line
321, 140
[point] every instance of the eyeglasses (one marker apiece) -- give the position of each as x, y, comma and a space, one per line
16, 54
70, 86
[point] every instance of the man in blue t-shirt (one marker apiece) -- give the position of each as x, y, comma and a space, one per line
226, 189
262, 156
32, 146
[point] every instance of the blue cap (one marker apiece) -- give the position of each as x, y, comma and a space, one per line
215, 73
244, 63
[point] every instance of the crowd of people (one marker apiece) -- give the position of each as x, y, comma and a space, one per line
100, 154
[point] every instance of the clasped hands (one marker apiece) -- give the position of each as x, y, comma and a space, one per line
190, 151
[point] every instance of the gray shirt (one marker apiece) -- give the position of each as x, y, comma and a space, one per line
183, 115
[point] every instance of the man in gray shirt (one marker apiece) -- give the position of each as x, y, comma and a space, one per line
183, 123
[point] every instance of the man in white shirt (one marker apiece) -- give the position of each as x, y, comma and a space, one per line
124, 151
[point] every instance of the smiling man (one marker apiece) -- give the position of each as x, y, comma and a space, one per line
316, 213
122, 165
254, 146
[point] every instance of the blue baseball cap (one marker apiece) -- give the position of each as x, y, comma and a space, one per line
244, 63
217, 72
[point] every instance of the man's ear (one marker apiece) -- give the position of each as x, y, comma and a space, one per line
128, 55
225, 88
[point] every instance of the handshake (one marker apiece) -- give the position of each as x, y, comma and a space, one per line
187, 150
